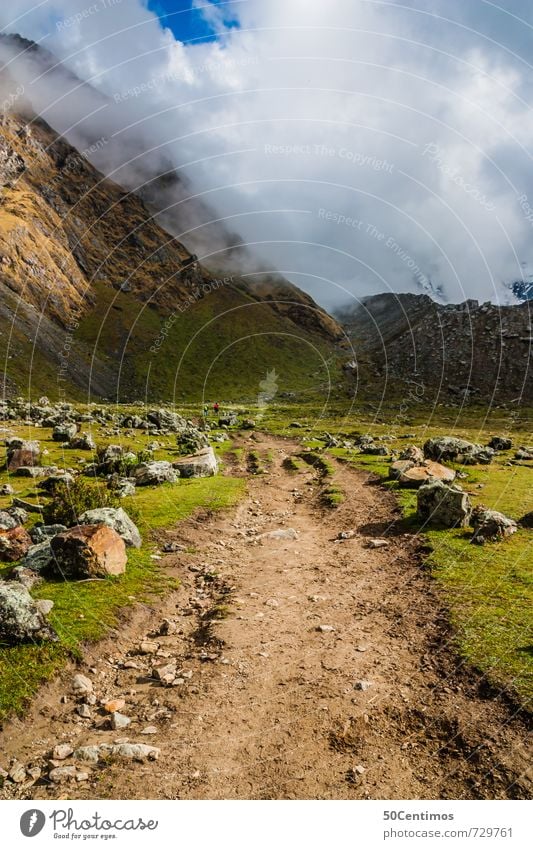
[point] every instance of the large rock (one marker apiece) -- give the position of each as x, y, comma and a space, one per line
446, 448
166, 420
7, 521
155, 472
443, 506
500, 443
190, 440
42, 533
116, 518
22, 452
491, 526
20, 618
414, 453
88, 551
64, 432
200, 465
409, 474
14, 543
525, 452
39, 557
83, 442
35, 471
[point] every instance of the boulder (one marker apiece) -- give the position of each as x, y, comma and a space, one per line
166, 420
200, 465
88, 551
64, 432
20, 619
154, 473
248, 424
22, 453
7, 521
490, 526
14, 543
39, 557
51, 483
191, 439
443, 506
228, 421
446, 448
414, 453
116, 518
42, 533
34, 471
125, 487
500, 443
527, 520
427, 471
84, 442
525, 452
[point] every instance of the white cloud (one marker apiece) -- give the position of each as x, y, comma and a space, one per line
314, 106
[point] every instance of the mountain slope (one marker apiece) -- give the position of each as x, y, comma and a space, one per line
452, 354
89, 283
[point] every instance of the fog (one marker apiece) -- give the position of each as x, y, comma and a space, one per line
356, 147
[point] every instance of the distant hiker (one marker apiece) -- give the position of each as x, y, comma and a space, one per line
216, 407
206, 410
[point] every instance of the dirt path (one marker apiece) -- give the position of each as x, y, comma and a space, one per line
369, 707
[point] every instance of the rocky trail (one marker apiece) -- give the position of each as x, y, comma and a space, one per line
290, 663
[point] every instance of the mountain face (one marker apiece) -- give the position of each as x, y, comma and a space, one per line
409, 346
97, 298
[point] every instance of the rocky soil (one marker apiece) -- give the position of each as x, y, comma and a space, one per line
305, 655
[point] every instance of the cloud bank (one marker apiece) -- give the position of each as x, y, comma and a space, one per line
356, 146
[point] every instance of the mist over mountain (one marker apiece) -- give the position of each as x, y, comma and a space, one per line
356, 148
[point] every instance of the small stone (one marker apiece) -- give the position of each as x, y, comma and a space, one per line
147, 647
362, 685
361, 648
81, 685
62, 773
325, 628
44, 605
359, 769
114, 705
17, 773
61, 751
150, 729
161, 672
84, 711
377, 543
119, 721
82, 776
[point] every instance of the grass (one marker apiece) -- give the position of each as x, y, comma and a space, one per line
85, 612
332, 496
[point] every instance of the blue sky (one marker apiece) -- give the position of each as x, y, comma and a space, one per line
189, 24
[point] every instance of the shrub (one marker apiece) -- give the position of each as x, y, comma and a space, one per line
70, 501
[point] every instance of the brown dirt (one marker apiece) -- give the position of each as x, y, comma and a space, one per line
271, 711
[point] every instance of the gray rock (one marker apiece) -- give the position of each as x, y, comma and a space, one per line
119, 721
443, 506
83, 442
64, 432
116, 518
20, 619
44, 605
34, 471
84, 711
61, 751
491, 526
167, 420
154, 473
62, 773
201, 465
126, 751
39, 557
414, 453
43, 533
443, 448
81, 685
27, 577
191, 440
7, 521
500, 443
51, 483
525, 452
281, 533
125, 487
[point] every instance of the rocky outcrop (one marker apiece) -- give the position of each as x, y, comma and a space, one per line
443, 506
88, 551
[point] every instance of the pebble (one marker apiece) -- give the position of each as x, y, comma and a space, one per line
362, 685
114, 705
62, 773
84, 711
61, 751
377, 543
17, 773
119, 721
147, 647
325, 628
150, 729
81, 685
